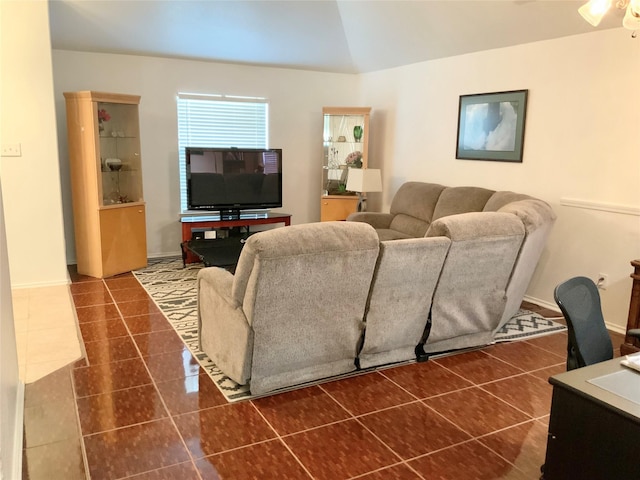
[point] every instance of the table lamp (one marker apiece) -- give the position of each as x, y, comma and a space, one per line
363, 180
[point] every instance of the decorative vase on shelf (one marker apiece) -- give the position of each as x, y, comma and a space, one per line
357, 133
354, 160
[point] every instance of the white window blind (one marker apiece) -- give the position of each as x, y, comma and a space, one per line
219, 121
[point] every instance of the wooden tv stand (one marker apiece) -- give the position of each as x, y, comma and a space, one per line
190, 223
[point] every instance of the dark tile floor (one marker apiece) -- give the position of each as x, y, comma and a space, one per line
138, 406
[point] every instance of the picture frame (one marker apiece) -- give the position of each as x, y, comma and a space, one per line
491, 126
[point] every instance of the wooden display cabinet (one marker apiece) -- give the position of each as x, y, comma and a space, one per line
346, 132
106, 182
632, 344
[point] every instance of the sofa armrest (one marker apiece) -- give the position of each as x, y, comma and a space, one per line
220, 281
224, 332
534, 213
375, 219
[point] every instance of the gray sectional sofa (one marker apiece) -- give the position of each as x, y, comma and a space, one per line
443, 270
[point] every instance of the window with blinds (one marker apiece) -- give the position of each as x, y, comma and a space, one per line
219, 121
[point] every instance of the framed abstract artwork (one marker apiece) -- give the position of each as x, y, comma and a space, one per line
491, 126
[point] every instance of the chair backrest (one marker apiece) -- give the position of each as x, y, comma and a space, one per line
303, 290
589, 342
470, 296
400, 298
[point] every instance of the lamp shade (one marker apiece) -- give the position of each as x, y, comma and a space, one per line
364, 180
594, 10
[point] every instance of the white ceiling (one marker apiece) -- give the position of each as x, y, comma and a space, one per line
348, 36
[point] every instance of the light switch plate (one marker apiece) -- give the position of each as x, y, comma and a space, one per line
11, 150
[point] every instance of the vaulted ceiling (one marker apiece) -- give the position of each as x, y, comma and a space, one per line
348, 36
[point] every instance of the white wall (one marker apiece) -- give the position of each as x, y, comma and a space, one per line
582, 141
295, 98
31, 183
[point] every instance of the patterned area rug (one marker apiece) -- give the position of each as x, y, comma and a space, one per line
174, 290
524, 325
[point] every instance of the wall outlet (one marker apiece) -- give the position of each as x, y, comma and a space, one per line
11, 150
603, 281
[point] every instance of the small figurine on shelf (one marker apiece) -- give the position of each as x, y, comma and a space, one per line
103, 116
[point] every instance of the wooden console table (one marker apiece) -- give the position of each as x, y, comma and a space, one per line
190, 223
632, 345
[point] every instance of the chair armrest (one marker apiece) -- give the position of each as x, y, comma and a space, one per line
219, 281
223, 329
375, 219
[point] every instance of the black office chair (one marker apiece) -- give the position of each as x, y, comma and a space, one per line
589, 342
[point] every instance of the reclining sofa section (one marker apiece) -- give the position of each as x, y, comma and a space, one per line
496, 239
293, 311
448, 266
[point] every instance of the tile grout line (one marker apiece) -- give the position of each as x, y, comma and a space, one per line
157, 391
279, 438
140, 356
356, 417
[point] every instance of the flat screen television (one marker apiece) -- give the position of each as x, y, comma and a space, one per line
230, 180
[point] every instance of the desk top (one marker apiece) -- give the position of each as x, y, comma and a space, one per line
610, 376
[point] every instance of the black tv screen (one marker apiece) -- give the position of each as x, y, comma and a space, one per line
233, 179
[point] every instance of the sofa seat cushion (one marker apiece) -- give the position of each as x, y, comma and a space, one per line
410, 226
385, 234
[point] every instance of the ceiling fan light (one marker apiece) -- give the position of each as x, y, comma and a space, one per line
593, 11
631, 18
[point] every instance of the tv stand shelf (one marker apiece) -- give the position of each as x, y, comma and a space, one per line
190, 223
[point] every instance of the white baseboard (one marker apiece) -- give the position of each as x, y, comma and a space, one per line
541, 303
18, 286
553, 306
177, 253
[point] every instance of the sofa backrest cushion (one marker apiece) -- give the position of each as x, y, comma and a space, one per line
400, 299
304, 291
455, 200
502, 198
413, 206
331, 244
470, 296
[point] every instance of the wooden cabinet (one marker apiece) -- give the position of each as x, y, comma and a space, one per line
337, 207
631, 344
106, 182
345, 145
